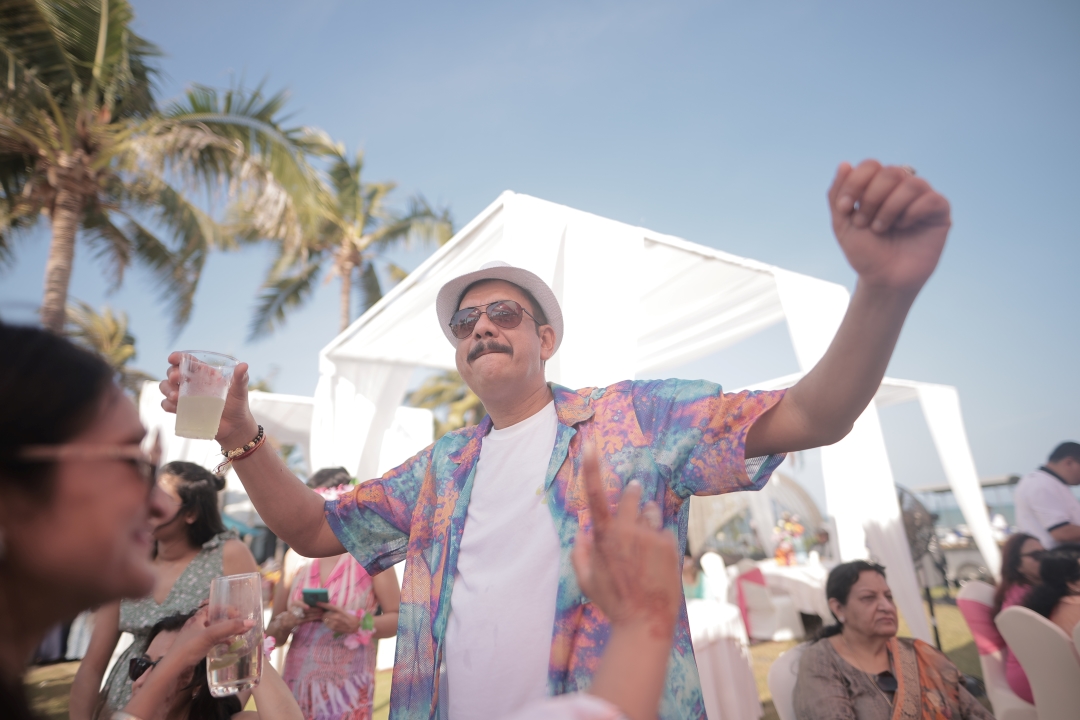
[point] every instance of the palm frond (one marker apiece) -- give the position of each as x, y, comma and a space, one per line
109, 243
281, 295
32, 37
450, 398
106, 334
370, 289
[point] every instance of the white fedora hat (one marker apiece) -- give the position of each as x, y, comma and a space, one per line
446, 304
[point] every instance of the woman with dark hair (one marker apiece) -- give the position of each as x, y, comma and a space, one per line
169, 679
858, 669
1019, 572
192, 549
77, 496
1057, 597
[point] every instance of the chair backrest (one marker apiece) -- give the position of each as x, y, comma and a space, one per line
1049, 659
757, 597
716, 577
782, 676
976, 603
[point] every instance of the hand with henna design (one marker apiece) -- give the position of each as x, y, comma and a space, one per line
629, 567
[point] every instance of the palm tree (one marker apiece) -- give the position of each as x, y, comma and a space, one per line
83, 143
106, 333
447, 393
353, 226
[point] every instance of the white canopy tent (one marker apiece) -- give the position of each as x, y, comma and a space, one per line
636, 301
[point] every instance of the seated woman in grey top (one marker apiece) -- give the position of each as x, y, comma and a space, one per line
859, 670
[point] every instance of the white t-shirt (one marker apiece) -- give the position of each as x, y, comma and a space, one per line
1044, 502
502, 608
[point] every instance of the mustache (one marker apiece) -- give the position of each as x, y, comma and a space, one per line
490, 346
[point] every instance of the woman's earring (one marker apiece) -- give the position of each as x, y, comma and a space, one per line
840, 620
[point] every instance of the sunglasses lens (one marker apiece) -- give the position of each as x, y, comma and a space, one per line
463, 321
505, 314
137, 667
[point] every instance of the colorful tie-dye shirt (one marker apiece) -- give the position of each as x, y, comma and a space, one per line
677, 438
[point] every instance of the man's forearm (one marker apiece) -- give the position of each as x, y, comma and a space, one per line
293, 511
822, 407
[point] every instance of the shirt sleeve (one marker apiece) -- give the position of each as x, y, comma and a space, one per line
372, 522
698, 434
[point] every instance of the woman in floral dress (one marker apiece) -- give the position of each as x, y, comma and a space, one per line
330, 666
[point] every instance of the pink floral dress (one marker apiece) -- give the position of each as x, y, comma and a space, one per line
332, 676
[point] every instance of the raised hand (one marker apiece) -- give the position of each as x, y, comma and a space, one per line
237, 426
890, 223
629, 565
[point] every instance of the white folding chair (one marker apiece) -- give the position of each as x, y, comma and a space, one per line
782, 677
976, 603
1048, 657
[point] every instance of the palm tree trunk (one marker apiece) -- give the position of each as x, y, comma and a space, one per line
66, 213
346, 295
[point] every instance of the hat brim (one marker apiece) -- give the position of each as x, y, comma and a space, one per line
446, 304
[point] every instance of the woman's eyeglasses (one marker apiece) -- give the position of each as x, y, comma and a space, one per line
137, 666
507, 314
1034, 554
134, 454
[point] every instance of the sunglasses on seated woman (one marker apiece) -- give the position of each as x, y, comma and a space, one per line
507, 314
137, 666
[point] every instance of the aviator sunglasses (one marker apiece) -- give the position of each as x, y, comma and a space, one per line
507, 314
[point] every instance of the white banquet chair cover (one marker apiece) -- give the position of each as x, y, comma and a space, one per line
723, 661
1048, 657
716, 577
976, 603
772, 617
782, 677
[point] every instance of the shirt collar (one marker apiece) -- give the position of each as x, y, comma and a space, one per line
570, 406
1048, 471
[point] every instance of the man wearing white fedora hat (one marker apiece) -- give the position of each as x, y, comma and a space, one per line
491, 615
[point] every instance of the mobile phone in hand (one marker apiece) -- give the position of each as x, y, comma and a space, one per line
312, 596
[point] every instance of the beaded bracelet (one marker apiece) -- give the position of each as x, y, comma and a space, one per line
240, 452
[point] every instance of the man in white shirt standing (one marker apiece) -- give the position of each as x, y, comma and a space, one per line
1046, 507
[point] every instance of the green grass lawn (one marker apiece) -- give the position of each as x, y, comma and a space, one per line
49, 686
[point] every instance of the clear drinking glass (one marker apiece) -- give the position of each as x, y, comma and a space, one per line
237, 664
204, 382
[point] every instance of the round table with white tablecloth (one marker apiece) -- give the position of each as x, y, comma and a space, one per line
804, 584
723, 660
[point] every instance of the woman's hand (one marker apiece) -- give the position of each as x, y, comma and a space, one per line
305, 613
339, 620
195, 639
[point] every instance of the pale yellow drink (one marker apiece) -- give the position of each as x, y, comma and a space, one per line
197, 416
205, 378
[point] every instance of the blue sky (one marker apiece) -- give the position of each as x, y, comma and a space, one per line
717, 122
